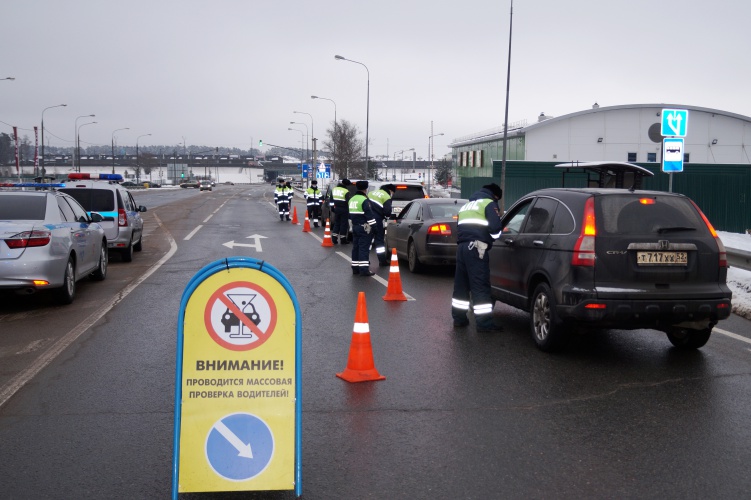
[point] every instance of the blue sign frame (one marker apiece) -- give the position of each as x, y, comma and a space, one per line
204, 273
672, 154
674, 123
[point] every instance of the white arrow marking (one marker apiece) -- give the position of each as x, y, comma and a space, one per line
243, 449
256, 245
677, 118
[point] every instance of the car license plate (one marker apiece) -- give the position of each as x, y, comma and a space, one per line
661, 258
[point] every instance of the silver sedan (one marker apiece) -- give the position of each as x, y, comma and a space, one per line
48, 241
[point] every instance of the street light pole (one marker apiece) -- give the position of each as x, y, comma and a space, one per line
45, 109
138, 163
333, 166
301, 137
430, 152
306, 139
367, 109
79, 141
7, 78
312, 141
113, 146
75, 142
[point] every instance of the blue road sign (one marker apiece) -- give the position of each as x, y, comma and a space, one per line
239, 446
323, 171
305, 170
672, 154
674, 122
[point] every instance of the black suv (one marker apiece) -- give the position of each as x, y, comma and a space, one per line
611, 258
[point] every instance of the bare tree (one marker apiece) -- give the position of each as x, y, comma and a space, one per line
346, 149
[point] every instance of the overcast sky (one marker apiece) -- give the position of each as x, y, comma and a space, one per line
228, 72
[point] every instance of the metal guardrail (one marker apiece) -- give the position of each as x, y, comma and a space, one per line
739, 258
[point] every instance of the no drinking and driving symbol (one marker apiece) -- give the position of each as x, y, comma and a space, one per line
240, 316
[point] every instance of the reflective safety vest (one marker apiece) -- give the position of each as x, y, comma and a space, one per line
279, 195
313, 195
356, 204
379, 197
289, 193
359, 210
339, 193
473, 212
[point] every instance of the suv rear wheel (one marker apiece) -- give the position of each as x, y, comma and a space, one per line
684, 338
127, 253
548, 332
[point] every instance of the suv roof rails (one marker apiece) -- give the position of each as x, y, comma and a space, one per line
607, 172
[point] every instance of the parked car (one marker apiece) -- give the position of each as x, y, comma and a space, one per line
404, 193
48, 241
611, 258
190, 184
128, 184
122, 221
424, 233
205, 185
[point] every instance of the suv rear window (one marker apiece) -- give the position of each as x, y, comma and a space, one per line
19, 207
93, 200
629, 214
408, 193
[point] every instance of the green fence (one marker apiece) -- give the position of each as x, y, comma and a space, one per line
722, 191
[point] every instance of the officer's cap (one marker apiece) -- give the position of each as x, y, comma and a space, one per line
361, 185
280, 179
346, 182
389, 187
313, 183
495, 189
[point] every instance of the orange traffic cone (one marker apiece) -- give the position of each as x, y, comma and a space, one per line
327, 236
294, 216
306, 225
360, 365
394, 290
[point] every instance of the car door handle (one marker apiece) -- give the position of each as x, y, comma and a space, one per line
509, 242
538, 243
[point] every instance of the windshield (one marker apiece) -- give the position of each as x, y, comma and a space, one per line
93, 200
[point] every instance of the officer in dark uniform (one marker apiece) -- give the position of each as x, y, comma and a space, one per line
380, 202
313, 198
340, 196
479, 223
363, 221
288, 195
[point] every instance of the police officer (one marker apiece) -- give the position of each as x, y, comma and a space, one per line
280, 198
479, 223
340, 196
288, 194
313, 198
363, 221
380, 203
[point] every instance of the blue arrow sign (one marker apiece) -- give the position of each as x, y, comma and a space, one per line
239, 446
674, 122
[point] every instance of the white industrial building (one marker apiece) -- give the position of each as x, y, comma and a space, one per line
619, 133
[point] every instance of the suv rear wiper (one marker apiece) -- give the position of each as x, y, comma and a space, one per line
674, 228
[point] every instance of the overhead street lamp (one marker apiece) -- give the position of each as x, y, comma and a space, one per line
8, 78
138, 163
45, 109
113, 146
75, 142
301, 138
430, 152
367, 109
312, 139
79, 142
306, 136
333, 166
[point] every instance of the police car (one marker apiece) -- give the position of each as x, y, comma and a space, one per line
122, 222
48, 241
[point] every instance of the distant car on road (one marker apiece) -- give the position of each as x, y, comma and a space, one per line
190, 184
598, 257
424, 233
48, 241
205, 186
404, 193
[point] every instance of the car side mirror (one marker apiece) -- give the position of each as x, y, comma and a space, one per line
142, 208
96, 217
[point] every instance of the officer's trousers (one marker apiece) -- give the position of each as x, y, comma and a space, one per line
283, 210
314, 214
340, 226
472, 280
379, 242
360, 249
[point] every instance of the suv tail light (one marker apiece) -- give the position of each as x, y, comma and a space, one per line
122, 218
28, 239
442, 229
584, 250
720, 246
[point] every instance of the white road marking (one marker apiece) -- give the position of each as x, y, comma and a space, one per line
193, 232
380, 280
732, 335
